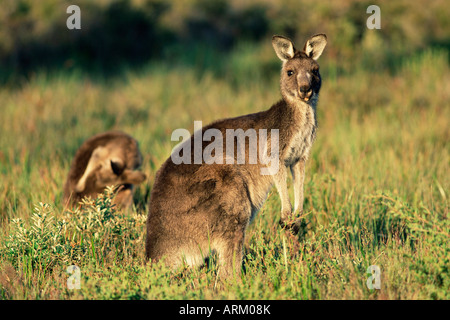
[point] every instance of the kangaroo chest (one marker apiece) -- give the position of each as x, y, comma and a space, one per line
302, 138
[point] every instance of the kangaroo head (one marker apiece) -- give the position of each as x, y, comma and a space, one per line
105, 168
300, 77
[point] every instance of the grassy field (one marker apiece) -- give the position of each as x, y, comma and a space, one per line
376, 187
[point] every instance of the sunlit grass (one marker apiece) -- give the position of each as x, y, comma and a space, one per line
376, 185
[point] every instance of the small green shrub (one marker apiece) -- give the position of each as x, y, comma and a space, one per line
87, 233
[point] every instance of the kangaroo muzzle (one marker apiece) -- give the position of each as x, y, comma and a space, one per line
305, 92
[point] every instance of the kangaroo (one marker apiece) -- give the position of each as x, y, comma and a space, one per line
109, 158
200, 209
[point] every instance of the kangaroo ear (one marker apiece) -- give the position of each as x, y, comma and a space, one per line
314, 46
133, 177
117, 166
284, 48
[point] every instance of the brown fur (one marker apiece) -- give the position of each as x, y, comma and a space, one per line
198, 209
118, 158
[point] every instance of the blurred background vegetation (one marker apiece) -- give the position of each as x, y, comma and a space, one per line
118, 34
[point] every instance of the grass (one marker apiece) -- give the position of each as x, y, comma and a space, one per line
376, 185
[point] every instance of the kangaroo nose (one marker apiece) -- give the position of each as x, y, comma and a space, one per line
305, 92
304, 89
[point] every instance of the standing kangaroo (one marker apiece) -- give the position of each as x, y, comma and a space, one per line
199, 209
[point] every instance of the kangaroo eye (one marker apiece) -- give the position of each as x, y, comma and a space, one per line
290, 73
315, 71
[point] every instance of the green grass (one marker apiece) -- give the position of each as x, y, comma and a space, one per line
376, 184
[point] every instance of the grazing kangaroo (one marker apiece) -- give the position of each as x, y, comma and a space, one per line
198, 209
109, 158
